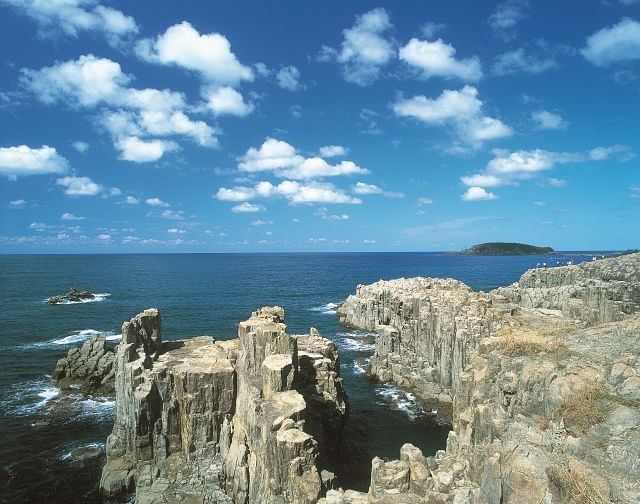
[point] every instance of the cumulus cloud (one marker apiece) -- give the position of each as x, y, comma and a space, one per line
461, 110
284, 161
329, 151
261, 222
364, 189
437, 59
72, 17
293, 191
17, 204
510, 167
128, 114
130, 200
156, 202
506, 16
80, 186
546, 120
247, 207
520, 61
227, 101
617, 43
207, 54
364, 50
288, 78
478, 194
173, 215
70, 217
21, 160
324, 214
80, 146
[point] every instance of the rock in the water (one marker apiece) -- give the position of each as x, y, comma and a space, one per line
73, 295
224, 421
90, 366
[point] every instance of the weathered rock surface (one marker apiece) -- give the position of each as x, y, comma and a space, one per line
73, 295
89, 366
247, 420
545, 410
592, 292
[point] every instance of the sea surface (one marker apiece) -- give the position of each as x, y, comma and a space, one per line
52, 447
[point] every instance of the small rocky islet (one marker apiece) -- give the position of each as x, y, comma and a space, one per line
540, 381
74, 296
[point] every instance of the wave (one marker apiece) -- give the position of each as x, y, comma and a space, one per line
85, 334
357, 368
356, 341
96, 298
71, 452
402, 400
327, 309
27, 398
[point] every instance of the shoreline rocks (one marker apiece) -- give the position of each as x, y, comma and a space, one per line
89, 366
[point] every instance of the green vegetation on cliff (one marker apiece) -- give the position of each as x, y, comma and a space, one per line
502, 248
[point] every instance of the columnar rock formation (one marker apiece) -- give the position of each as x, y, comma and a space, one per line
89, 366
593, 292
253, 419
545, 410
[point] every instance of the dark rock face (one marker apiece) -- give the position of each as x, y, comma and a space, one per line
73, 295
90, 366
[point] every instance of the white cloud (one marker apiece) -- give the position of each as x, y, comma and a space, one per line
364, 50
329, 151
620, 152
289, 78
556, 182
461, 110
284, 161
173, 215
70, 217
79, 186
362, 188
235, 194
295, 192
227, 101
324, 213
546, 120
23, 160
517, 60
156, 202
208, 54
128, 114
130, 200
261, 222
506, 16
140, 151
176, 231
620, 42
104, 238
17, 204
437, 59
80, 146
74, 16
369, 242
478, 194
422, 201
431, 29
247, 207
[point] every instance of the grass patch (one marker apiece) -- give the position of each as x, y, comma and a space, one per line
528, 344
585, 408
574, 487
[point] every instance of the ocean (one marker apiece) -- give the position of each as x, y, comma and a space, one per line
52, 447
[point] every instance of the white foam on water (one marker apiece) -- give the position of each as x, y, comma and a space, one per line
355, 345
83, 335
27, 398
97, 407
68, 453
401, 400
327, 309
96, 298
357, 368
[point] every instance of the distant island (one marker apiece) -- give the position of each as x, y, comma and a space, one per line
503, 249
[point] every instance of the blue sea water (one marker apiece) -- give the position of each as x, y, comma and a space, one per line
197, 294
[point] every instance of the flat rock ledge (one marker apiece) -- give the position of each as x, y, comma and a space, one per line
542, 379
254, 419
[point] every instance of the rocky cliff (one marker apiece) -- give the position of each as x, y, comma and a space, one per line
546, 399
255, 419
89, 367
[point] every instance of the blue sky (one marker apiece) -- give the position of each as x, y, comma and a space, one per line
318, 126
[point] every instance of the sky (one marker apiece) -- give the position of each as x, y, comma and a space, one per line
283, 126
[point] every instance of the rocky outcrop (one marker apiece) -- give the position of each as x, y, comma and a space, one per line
593, 292
89, 367
74, 295
427, 329
544, 408
255, 419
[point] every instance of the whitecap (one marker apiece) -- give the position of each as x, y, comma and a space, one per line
96, 298
69, 451
402, 400
327, 309
356, 345
357, 368
83, 335
28, 397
